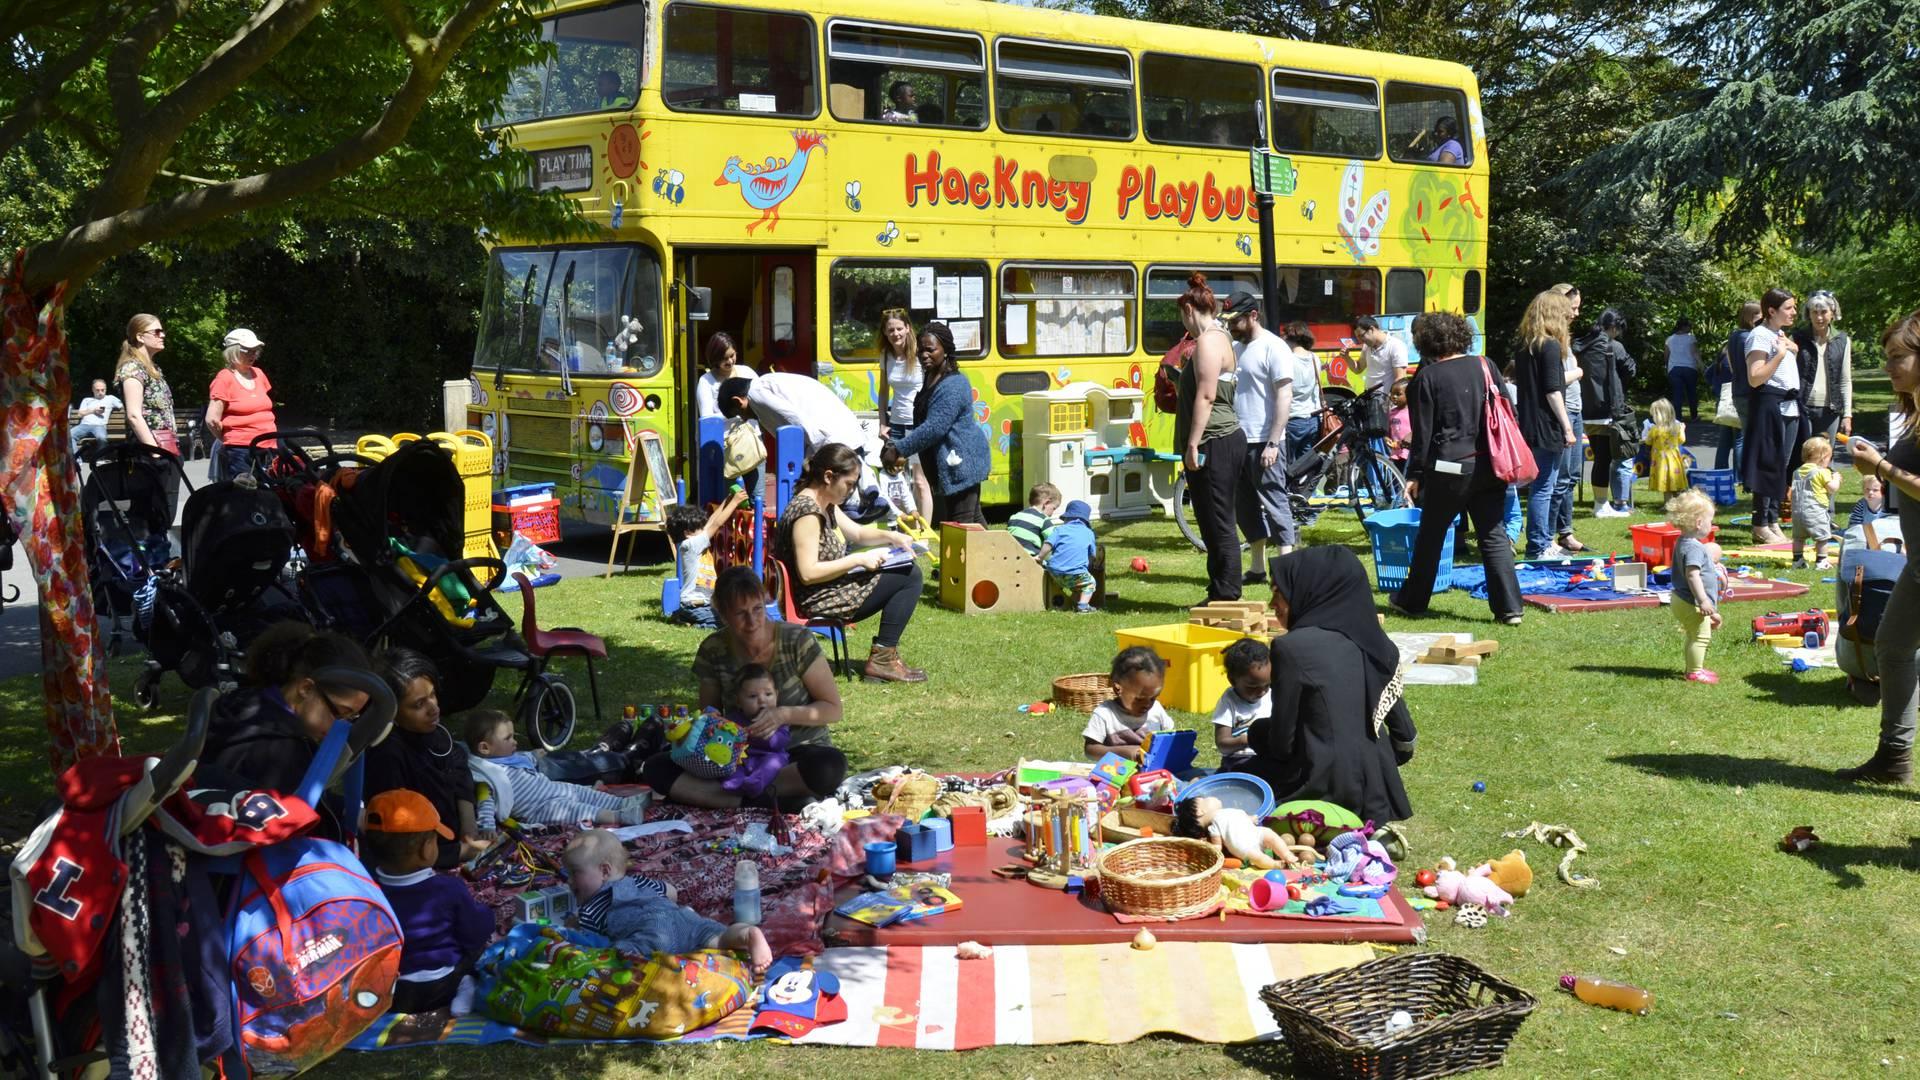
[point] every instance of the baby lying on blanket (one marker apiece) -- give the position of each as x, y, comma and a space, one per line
637, 914
508, 785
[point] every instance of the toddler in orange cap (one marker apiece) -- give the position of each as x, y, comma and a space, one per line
442, 926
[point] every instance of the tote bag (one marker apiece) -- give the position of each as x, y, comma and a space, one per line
1724, 413
1512, 458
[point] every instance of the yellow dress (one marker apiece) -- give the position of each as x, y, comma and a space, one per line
1668, 469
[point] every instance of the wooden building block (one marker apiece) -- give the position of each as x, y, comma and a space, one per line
987, 571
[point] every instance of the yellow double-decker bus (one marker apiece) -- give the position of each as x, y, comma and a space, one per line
1042, 181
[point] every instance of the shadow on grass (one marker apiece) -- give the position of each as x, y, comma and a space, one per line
1751, 772
1664, 674
1843, 860
1810, 688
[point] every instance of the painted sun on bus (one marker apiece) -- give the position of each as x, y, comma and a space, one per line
1041, 181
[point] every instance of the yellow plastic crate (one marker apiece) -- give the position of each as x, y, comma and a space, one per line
479, 545
479, 503
472, 451
374, 447
1196, 675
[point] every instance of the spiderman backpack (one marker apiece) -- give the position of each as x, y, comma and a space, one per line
313, 951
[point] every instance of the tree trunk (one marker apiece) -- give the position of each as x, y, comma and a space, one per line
41, 488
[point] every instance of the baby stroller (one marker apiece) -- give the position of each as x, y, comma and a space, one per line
119, 950
235, 540
400, 582
126, 508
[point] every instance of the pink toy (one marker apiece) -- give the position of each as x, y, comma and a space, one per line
1473, 887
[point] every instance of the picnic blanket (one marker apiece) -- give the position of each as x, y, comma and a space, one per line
927, 998
438, 1028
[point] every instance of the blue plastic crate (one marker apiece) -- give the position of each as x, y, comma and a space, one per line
1717, 483
1393, 533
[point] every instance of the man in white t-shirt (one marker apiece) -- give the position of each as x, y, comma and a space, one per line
1383, 357
780, 398
95, 411
1263, 400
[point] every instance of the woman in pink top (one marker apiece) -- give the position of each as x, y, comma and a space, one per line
239, 405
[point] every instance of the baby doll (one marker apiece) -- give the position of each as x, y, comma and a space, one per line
765, 756
1203, 818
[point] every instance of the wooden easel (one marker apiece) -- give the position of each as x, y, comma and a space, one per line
647, 468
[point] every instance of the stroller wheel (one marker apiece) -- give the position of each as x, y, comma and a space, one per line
547, 712
146, 690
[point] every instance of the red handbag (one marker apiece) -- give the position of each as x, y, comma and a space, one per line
1512, 458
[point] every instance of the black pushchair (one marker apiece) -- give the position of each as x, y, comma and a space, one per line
235, 542
403, 583
126, 508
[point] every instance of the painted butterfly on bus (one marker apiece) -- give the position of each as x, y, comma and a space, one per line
1360, 222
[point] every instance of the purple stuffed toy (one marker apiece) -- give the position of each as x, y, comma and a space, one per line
765, 758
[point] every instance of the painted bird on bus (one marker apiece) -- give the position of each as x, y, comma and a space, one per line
765, 187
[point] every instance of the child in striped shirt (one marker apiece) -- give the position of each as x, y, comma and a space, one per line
1030, 527
508, 784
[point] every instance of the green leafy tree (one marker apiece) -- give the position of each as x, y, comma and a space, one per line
174, 125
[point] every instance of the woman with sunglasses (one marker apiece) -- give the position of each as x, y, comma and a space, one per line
147, 397
239, 404
264, 734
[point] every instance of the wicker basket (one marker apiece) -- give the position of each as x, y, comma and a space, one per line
1335, 1023
1082, 692
1164, 877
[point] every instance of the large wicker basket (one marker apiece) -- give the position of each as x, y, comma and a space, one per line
1164, 877
1336, 1022
1082, 692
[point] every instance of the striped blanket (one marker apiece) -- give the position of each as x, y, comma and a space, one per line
1035, 995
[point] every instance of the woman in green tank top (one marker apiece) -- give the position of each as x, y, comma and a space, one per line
1207, 434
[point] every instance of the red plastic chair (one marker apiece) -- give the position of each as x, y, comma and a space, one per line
544, 645
835, 630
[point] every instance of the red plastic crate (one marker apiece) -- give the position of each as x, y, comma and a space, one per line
538, 522
1653, 544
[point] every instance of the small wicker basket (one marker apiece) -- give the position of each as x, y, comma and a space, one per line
1082, 692
1335, 1023
1164, 877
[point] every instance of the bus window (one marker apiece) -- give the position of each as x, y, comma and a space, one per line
1406, 292
1425, 124
861, 291
593, 309
1191, 102
891, 75
1325, 114
595, 66
1064, 89
738, 61
1317, 295
1066, 310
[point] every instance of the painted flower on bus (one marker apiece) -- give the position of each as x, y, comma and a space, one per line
765, 187
1360, 222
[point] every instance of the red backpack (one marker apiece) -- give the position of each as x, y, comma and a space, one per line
1166, 378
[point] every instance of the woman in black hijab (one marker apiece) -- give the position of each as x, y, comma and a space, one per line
1332, 735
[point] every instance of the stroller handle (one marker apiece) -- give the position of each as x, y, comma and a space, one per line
291, 435
374, 722
158, 785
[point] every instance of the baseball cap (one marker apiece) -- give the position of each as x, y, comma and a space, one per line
798, 999
1242, 302
1077, 510
242, 337
403, 811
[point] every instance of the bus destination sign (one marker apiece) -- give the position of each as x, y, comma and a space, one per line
569, 168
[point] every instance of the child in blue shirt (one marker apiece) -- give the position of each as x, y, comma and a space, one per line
1068, 554
691, 534
442, 927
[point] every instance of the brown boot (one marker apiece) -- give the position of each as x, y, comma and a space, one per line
1884, 767
884, 665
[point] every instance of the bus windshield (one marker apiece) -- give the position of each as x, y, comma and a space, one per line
594, 310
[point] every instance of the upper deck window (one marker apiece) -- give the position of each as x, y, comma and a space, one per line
895, 75
1425, 124
735, 60
1192, 102
1323, 114
595, 66
1063, 90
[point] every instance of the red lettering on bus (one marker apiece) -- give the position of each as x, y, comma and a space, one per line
1004, 192
1211, 201
1130, 184
1033, 188
953, 185
930, 179
1236, 200
979, 191
1189, 201
1081, 192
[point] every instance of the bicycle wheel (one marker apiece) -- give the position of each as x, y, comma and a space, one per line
1183, 515
547, 712
1374, 484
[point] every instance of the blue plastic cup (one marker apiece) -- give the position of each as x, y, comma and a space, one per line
880, 857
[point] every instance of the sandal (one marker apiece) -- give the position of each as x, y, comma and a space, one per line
1571, 543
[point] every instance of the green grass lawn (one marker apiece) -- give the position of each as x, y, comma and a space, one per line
1761, 962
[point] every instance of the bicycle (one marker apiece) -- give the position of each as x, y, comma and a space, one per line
1348, 464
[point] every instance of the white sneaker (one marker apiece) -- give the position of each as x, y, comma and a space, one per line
1607, 510
1553, 551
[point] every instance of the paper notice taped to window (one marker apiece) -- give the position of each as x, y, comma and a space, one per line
1014, 325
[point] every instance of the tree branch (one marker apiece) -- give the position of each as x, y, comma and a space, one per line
147, 144
129, 58
75, 255
54, 74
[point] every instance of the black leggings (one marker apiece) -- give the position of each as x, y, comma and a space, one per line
895, 592
1214, 489
962, 507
